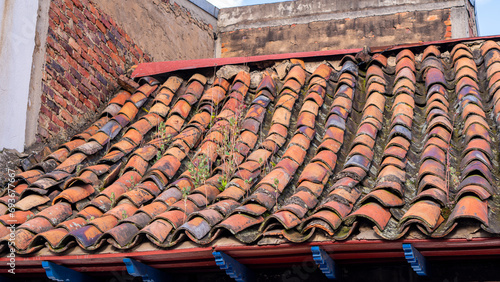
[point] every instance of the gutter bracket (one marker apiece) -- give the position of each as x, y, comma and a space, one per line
61, 273
415, 259
324, 261
146, 272
233, 268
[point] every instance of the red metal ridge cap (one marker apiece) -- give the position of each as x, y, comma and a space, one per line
154, 68
146, 69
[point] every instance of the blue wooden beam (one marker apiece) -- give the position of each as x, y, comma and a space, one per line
233, 268
415, 259
60, 273
5, 279
148, 273
324, 261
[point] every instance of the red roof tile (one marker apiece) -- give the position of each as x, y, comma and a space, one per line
401, 146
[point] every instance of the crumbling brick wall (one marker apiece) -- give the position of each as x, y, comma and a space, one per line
86, 52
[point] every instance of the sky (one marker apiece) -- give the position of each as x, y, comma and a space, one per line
487, 12
487, 16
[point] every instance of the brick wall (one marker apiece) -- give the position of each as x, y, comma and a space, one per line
86, 52
447, 35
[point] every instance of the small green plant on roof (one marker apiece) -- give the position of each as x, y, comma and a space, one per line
227, 149
163, 139
132, 184
223, 184
79, 169
124, 214
275, 186
185, 193
199, 169
212, 120
100, 187
112, 198
249, 180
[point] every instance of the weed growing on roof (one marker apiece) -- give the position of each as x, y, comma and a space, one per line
132, 184
249, 180
79, 169
276, 183
112, 198
124, 214
131, 187
212, 120
223, 184
227, 150
199, 169
163, 137
185, 193
275, 186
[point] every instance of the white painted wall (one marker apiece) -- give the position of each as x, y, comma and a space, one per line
17, 41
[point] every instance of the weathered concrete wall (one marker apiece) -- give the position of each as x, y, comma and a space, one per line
305, 25
471, 15
166, 29
17, 40
339, 34
37, 72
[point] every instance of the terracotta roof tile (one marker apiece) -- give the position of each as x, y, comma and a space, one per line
397, 145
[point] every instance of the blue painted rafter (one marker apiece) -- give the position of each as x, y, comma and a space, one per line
233, 268
148, 273
415, 259
4, 279
60, 273
324, 261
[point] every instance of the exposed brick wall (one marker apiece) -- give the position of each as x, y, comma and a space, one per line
447, 35
86, 52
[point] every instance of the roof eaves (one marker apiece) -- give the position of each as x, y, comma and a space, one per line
188, 257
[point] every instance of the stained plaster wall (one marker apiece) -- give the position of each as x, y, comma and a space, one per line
305, 25
167, 29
